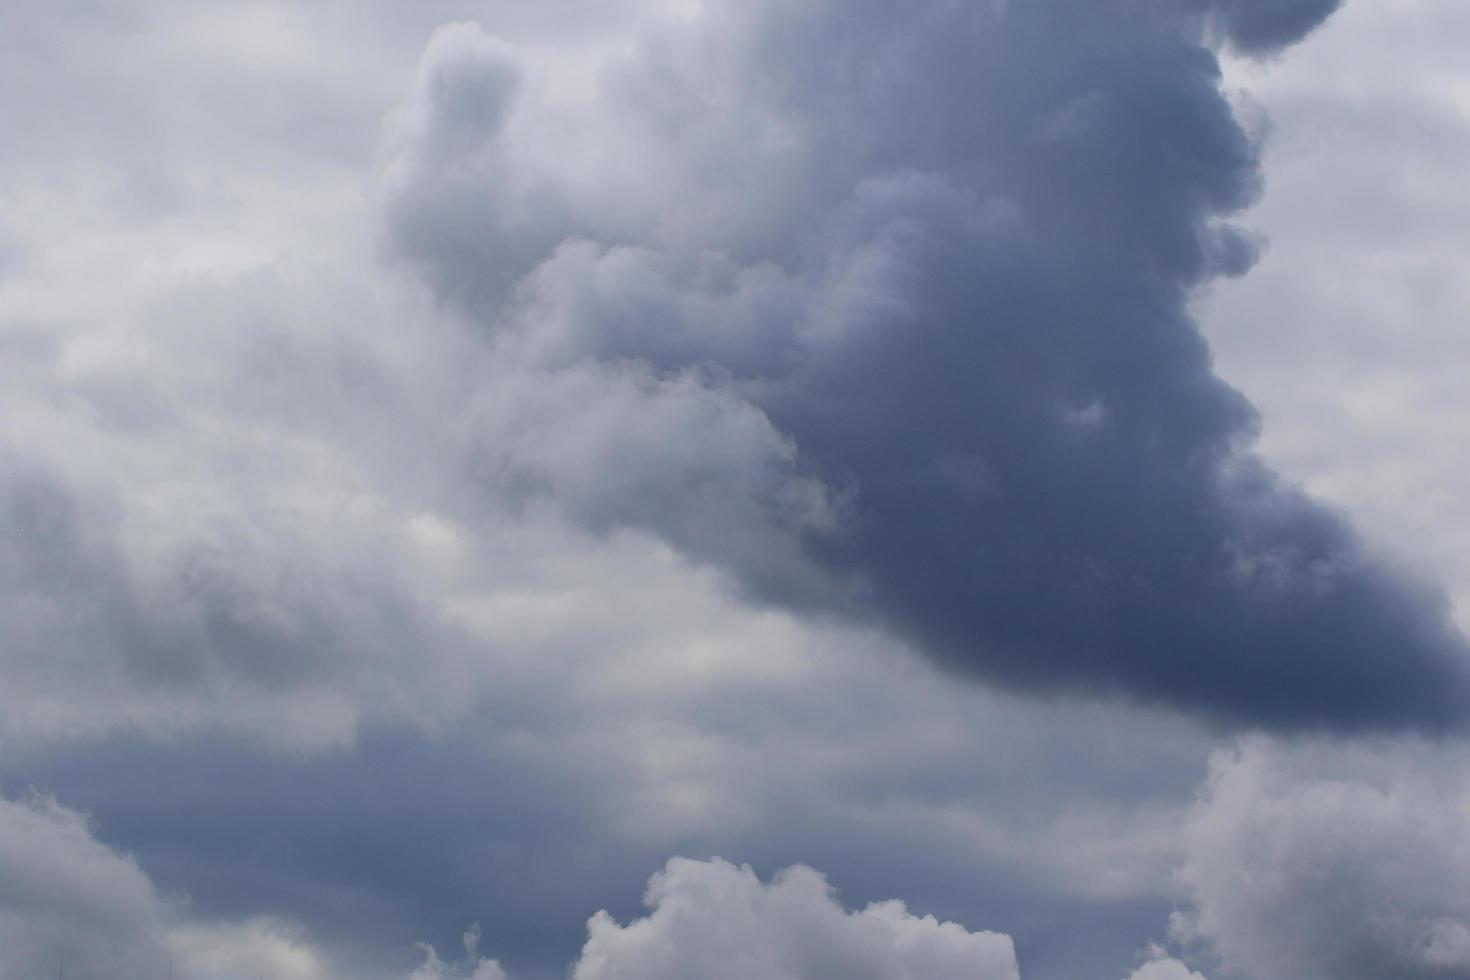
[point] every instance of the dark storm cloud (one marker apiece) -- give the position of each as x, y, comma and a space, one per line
1260, 26
947, 250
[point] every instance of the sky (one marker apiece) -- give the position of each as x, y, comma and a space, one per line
791, 489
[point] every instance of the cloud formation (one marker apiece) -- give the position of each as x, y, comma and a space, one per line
879, 315
66, 898
1165, 968
1350, 863
925, 370
713, 919
70, 903
479, 968
930, 270
716, 921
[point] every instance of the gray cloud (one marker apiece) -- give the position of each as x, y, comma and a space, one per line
69, 900
1363, 395
643, 721
948, 258
1312, 861
256, 497
70, 904
709, 259
224, 626
1255, 25
1258, 27
66, 897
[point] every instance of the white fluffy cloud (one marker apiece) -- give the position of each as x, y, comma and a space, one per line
1349, 333
714, 920
1343, 863
1163, 967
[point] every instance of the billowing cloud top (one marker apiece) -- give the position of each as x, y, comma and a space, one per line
884, 310
712, 919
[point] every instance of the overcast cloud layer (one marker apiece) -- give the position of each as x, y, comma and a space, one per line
459, 458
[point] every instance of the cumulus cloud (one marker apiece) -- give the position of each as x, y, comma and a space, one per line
1163, 967
713, 919
1347, 863
969, 322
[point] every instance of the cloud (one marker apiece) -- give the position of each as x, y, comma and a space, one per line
1163, 967
115, 609
926, 371
616, 724
69, 902
713, 919
68, 898
879, 315
260, 947
476, 966
65, 897
1260, 26
1332, 862
1362, 394
946, 265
